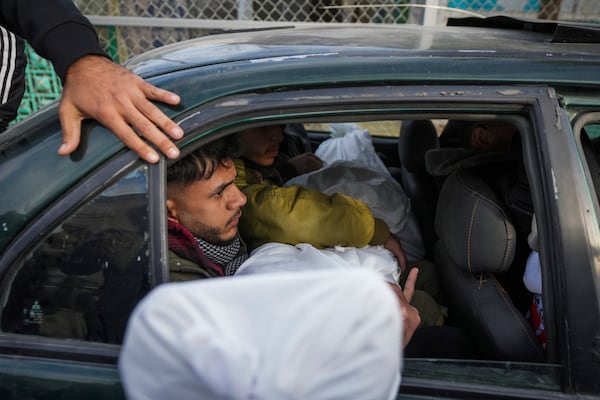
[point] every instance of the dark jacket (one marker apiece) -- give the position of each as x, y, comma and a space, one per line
12, 76
55, 29
186, 259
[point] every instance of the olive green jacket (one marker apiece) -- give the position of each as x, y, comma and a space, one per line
299, 215
182, 269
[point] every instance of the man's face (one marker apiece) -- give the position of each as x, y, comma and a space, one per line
209, 208
261, 145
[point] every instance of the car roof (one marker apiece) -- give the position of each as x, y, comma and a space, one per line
502, 39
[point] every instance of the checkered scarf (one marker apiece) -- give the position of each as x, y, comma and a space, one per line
227, 255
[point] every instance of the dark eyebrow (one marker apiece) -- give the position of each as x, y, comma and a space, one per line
222, 187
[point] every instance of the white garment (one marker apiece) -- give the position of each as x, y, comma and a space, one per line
350, 142
352, 167
306, 335
532, 278
384, 196
280, 257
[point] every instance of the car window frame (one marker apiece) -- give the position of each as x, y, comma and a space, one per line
569, 249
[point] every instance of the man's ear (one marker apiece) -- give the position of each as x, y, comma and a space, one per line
172, 210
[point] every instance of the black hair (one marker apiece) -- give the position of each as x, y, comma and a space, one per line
202, 163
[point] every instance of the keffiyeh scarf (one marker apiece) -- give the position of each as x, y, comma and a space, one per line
227, 255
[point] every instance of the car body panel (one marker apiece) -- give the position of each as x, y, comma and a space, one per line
37, 378
33, 158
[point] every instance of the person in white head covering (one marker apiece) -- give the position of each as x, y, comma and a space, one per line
308, 335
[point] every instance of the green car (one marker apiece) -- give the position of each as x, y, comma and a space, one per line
83, 238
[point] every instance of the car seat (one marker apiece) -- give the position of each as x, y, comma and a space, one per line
416, 138
476, 242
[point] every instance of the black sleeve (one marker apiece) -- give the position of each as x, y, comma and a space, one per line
56, 29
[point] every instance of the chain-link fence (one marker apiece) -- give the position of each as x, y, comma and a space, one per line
130, 27
377, 11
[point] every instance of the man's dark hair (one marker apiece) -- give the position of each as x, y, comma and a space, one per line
202, 163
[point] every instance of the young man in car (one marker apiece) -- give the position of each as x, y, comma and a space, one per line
296, 215
204, 207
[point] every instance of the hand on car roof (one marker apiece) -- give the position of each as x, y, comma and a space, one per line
121, 102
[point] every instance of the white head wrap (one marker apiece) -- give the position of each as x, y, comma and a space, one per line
308, 335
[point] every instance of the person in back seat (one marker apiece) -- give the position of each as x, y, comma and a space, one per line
492, 149
508, 179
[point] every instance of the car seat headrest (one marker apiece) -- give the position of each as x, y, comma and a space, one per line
472, 225
416, 138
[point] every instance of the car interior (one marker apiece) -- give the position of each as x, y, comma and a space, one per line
474, 225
